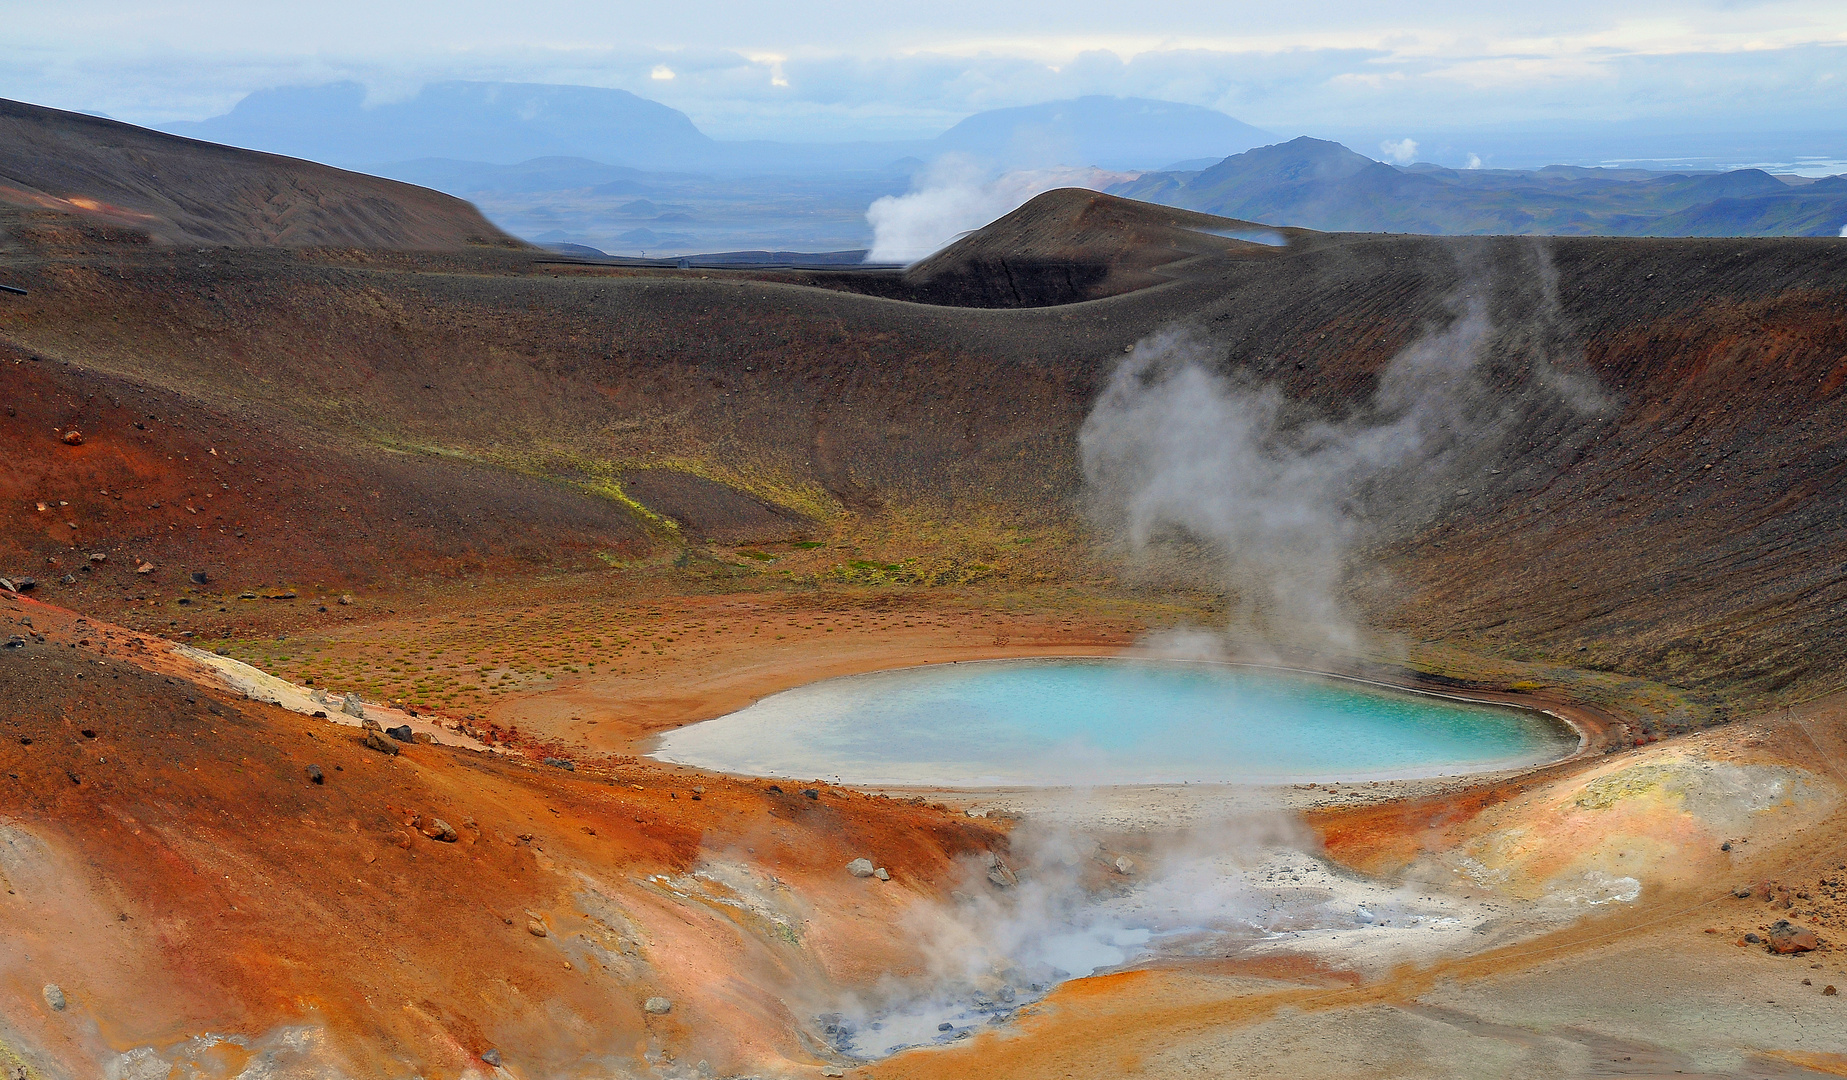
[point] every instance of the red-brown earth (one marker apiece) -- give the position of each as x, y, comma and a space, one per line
591, 503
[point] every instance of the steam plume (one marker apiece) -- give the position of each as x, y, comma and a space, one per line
958, 194
1177, 451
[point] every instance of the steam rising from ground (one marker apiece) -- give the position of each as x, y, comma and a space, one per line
1179, 450
1176, 450
958, 194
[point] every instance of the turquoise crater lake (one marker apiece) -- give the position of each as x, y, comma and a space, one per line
1052, 723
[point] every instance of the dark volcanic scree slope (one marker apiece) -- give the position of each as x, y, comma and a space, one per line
1683, 532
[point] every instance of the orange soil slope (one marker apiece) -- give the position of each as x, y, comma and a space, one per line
161, 834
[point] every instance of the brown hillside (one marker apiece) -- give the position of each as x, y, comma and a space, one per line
580, 506
182, 191
863, 410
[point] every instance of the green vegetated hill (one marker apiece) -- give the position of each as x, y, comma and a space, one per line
1322, 185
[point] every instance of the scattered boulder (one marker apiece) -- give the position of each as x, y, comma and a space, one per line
427, 739
811, 793
492, 1057
560, 763
315, 775
999, 873
144, 567
657, 1006
882, 874
73, 437
346, 598
351, 706
439, 830
25, 584
376, 740
1124, 865
99, 556
68, 579
535, 928
200, 577
54, 997
15, 642
1829, 990
1786, 937
861, 868
402, 733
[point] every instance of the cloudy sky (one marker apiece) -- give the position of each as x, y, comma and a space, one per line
821, 69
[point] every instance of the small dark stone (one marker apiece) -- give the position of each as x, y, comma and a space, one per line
945, 1026
315, 775
811, 793
200, 577
776, 789
560, 763
25, 584
320, 714
89, 733
492, 1057
1754, 939
402, 733
1727, 846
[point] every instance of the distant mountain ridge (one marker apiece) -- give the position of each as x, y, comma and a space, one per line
510, 123
1315, 184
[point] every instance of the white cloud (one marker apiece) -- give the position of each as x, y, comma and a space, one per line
817, 69
1402, 151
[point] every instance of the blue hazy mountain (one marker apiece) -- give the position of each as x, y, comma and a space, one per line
509, 123
1317, 184
499, 123
1109, 132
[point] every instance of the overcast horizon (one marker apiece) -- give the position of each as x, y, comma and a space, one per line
822, 71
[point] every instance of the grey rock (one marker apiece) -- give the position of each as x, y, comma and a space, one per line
200, 577
54, 997
315, 775
999, 873
377, 741
438, 829
492, 1057
1124, 865
402, 733
560, 763
860, 868
25, 584
882, 874
657, 1006
352, 706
